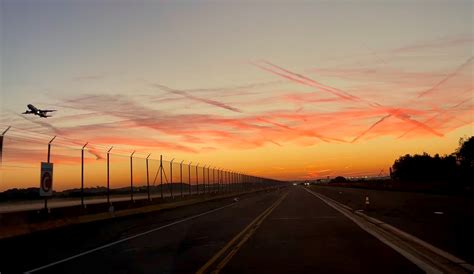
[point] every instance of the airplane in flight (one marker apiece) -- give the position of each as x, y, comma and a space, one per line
36, 111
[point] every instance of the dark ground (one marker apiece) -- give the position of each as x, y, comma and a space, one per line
452, 231
301, 235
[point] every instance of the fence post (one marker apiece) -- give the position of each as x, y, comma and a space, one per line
148, 178
161, 175
204, 179
218, 181
108, 175
232, 180
131, 176
189, 177
181, 176
226, 187
208, 181
1, 145
214, 179
82, 175
197, 178
49, 157
171, 177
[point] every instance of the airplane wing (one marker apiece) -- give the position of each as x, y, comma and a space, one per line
27, 112
48, 110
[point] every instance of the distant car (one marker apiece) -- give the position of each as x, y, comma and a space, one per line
306, 184
294, 184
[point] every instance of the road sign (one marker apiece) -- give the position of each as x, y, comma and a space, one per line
46, 183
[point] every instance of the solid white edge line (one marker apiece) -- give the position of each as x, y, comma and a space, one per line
421, 264
403, 234
126, 239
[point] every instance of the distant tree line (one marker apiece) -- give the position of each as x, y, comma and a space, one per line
456, 169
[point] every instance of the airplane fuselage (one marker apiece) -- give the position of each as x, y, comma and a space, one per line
32, 108
36, 111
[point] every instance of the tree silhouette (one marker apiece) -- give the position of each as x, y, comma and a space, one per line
451, 169
465, 157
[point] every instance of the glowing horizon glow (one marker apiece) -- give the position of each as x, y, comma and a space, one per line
287, 95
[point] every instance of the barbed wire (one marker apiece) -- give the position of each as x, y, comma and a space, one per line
40, 138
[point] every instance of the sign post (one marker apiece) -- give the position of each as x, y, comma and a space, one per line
46, 179
46, 183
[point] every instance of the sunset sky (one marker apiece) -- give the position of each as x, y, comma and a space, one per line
281, 89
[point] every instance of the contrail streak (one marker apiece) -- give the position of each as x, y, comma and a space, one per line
301, 79
338, 92
199, 99
447, 78
343, 95
434, 117
371, 127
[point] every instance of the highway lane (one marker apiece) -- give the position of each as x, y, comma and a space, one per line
304, 235
178, 248
299, 234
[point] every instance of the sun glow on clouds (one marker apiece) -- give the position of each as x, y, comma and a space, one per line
271, 117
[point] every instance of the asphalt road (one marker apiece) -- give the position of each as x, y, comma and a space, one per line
299, 235
445, 221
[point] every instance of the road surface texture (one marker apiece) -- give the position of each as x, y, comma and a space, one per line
445, 221
291, 231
